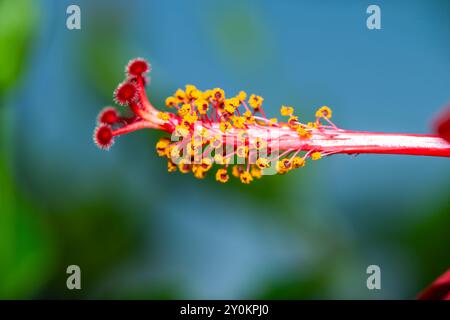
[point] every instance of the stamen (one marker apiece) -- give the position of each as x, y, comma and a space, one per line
207, 122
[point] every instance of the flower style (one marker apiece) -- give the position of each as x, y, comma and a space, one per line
208, 127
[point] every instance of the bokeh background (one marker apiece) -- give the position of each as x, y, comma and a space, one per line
138, 232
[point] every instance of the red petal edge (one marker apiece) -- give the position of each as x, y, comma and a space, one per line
442, 124
438, 290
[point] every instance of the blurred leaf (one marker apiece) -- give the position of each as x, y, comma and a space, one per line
104, 47
145, 291
428, 239
239, 34
25, 246
17, 24
97, 237
309, 287
26, 251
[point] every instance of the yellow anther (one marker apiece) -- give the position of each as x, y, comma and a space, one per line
229, 108
235, 102
161, 146
192, 92
303, 133
224, 126
206, 164
171, 167
298, 162
273, 121
180, 95
168, 151
256, 172
316, 155
222, 175
263, 163
190, 118
171, 101
199, 173
255, 101
293, 122
202, 106
242, 95
284, 166
312, 125
324, 112
207, 94
237, 171
239, 122
249, 117
184, 166
246, 177
286, 111
164, 116
184, 110
190, 88
218, 94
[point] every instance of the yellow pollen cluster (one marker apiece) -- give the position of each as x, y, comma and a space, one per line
223, 119
222, 175
324, 112
255, 101
316, 156
286, 111
163, 116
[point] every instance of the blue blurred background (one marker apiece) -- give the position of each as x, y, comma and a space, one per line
138, 232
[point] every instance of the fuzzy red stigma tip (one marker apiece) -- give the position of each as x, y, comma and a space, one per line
108, 115
138, 67
442, 124
103, 136
125, 93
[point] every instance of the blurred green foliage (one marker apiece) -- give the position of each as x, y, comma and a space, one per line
104, 48
429, 238
25, 249
240, 36
16, 32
